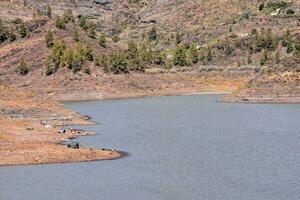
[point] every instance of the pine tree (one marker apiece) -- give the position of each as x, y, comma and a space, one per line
180, 55
191, 55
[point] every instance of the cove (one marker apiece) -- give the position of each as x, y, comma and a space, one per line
180, 147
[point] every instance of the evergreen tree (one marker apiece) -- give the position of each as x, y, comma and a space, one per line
192, 55
180, 55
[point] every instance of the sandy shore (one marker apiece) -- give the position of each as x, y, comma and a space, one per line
29, 134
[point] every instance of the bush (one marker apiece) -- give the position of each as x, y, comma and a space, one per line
297, 46
209, 57
103, 62
59, 23
12, 37
83, 22
92, 31
119, 63
23, 68
76, 36
115, 38
49, 39
17, 21
290, 12
263, 59
48, 11
152, 35
102, 40
3, 33
287, 41
180, 55
178, 38
192, 55
68, 16
264, 40
23, 30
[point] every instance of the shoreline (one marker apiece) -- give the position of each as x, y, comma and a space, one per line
43, 146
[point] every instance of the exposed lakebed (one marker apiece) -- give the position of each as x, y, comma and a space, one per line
181, 147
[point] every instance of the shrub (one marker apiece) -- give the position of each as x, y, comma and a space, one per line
58, 52
102, 40
277, 56
159, 58
23, 68
102, 61
49, 39
178, 38
228, 46
180, 55
263, 58
17, 21
287, 41
48, 11
68, 16
115, 38
3, 33
12, 37
119, 63
192, 55
209, 57
249, 58
50, 67
297, 46
152, 35
264, 40
290, 12
76, 36
87, 71
92, 31
59, 23
23, 30
83, 22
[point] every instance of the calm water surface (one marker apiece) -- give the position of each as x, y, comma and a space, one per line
185, 147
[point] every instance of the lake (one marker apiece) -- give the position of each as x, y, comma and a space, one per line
180, 147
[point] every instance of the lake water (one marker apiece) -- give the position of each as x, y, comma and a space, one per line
182, 147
